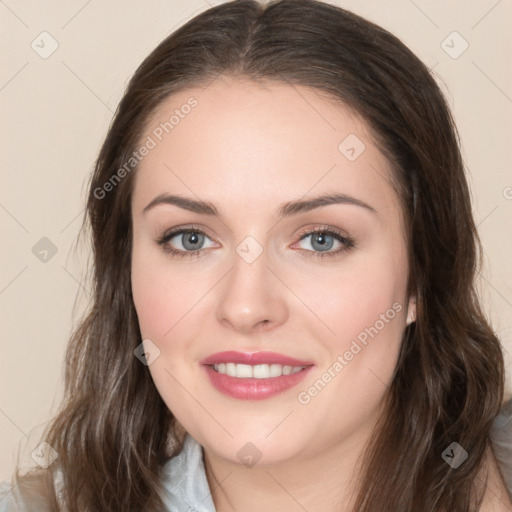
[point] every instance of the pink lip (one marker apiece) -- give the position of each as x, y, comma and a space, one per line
252, 358
251, 388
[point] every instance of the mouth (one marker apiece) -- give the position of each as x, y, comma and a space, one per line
254, 376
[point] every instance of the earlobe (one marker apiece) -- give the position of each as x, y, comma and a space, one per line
411, 310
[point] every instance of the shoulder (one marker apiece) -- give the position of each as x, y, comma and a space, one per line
496, 496
7, 503
501, 437
29, 493
498, 464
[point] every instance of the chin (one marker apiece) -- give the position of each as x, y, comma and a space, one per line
249, 449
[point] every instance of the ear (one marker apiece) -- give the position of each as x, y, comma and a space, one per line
411, 310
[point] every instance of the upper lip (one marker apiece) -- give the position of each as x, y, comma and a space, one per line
253, 358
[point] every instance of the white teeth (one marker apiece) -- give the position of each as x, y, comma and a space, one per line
261, 371
287, 370
257, 371
231, 369
243, 370
275, 370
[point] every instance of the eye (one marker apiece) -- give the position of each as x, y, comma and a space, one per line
322, 241
190, 241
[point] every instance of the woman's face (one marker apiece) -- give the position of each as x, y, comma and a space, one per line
311, 323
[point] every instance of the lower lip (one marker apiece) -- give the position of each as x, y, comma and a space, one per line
251, 388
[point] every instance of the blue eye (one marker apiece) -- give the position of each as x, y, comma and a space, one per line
192, 241
322, 240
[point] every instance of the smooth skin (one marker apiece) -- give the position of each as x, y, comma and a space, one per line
246, 148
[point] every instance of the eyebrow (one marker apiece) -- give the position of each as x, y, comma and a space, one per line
285, 210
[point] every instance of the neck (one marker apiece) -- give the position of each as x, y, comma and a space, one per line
326, 482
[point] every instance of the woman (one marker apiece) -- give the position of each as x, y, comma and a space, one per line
285, 315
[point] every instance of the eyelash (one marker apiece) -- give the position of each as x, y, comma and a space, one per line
347, 241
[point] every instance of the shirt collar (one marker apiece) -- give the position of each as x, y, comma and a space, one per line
185, 482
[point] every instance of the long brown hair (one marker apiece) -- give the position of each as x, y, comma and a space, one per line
114, 432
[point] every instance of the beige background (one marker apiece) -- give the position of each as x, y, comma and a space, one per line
55, 113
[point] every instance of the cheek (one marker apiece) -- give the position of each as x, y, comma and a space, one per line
353, 297
164, 298
363, 307
161, 295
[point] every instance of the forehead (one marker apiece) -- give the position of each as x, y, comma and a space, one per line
252, 144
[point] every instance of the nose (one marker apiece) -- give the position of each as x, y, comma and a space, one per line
252, 298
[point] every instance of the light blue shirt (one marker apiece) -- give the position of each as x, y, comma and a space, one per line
186, 481
185, 484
